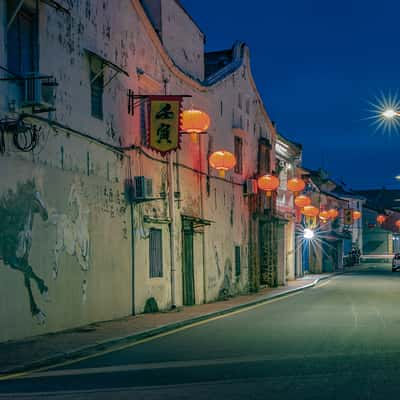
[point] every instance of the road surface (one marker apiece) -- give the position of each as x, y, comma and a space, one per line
339, 340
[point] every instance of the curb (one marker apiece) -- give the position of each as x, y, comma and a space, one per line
130, 339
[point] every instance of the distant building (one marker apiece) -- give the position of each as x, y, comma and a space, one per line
288, 155
381, 239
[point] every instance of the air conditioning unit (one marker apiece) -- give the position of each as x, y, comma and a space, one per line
250, 187
143, 187
38, 93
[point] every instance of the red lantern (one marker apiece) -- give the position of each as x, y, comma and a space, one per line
222, 161
194, 122
380, 219
268, 183
333, 213
296, 185
356, 215
324, 215
310, 211
397, 223
302, 201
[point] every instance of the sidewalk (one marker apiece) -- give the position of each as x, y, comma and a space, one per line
52, 348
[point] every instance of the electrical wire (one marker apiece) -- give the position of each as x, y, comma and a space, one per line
25, 138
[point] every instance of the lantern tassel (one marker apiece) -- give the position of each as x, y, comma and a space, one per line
194, 137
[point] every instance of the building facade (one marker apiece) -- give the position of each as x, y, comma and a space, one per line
288, 155
75, 246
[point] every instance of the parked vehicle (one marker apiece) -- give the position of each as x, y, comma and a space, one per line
396, 262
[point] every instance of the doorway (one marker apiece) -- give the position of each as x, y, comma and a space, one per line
188, 264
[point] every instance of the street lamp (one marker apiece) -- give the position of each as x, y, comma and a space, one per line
308, 233
390, 113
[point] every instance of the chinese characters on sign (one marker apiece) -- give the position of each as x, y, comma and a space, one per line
164, 123
348, 216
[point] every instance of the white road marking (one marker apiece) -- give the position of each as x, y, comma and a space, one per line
200, 363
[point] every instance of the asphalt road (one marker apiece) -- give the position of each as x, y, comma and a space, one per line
339, 340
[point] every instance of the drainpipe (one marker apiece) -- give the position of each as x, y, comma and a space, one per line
171, 201
132, 220
203, 239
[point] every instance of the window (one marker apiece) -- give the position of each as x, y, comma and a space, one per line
143, 123
22, 40
155, 247
96, 86
248, 106
239, 100
238, 154
221, 109
263, 157
237, 261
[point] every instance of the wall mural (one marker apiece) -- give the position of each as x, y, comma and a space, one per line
17, 212
72, 233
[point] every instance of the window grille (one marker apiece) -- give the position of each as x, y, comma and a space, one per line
155, 248
237, 261
96, 87
238, 155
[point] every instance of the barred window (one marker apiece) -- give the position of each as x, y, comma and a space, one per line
22, 39
155, 248
96, 87
237, 261
238, 155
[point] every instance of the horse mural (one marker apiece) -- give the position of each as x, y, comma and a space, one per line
17, 212
72, 233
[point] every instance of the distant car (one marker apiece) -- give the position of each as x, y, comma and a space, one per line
396, 262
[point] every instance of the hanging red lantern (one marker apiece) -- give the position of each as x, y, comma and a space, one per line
333, 213
222, 161
356, 215
380, 219
302, 201
397, 223
194, 122
324, 216
296, 185
310, 211
268, 183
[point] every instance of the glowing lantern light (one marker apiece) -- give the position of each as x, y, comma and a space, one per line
324, 216
268, 183
308, 233
222, 161
310, 211
296, 185
356, 215
397, 223
333, 213
302, 201
194, 122
380, 219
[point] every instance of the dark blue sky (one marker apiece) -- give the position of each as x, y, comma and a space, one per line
317, 63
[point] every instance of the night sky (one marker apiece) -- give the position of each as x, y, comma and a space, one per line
317, 64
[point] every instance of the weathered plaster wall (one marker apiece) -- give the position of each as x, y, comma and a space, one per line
62, 162
65, 236
182, 39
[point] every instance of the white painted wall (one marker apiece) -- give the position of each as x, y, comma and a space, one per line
121, 33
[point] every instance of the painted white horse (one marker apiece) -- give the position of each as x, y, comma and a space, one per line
72, 233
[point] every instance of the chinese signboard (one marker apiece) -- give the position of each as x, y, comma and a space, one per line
348, 216
164, 123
